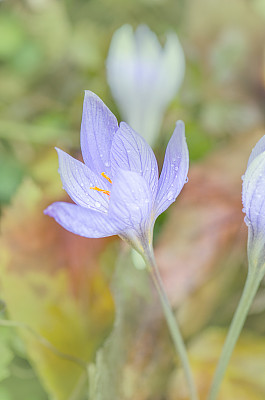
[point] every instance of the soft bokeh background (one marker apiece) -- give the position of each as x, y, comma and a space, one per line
58, 285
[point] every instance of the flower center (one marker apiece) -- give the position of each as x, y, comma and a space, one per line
103, 190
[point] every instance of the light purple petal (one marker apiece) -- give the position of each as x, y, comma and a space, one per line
253, 194
258, 149
174, 171
97, 130
77, 179
82, 221
131, 152
131, 200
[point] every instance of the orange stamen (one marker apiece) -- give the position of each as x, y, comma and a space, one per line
106, 177
101, 190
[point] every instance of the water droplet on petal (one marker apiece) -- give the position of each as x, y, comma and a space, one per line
247, 221
170, 195
81, 184
97, 204
242, 177
107, 164
176, 169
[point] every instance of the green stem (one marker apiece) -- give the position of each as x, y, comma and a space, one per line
250, 290
172, 322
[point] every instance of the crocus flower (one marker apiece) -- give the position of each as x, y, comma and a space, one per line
116, 190
144, 77
253, 198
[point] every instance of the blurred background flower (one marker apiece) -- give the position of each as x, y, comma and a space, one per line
144, 77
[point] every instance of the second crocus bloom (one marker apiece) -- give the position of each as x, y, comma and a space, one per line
144, 77
253, 198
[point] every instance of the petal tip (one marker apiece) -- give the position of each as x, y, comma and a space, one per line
48, 211
180, 124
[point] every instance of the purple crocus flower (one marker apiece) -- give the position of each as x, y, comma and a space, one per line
116, 190
253, 198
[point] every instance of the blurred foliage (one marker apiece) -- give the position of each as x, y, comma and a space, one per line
59, 297
58, 284
244, 378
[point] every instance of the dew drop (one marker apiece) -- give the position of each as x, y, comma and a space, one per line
107, 164
247, 221
81, 184
170, 195
242, 177
176, 169
97, 204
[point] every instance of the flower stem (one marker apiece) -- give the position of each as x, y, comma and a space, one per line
172, 323
250, 289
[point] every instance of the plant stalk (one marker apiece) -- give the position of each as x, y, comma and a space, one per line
251, 286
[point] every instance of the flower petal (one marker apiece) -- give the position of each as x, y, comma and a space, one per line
253, 195
131, 201
97, 130
77, 179
175, 170
130, 152
82, 221
258, 149
172, 69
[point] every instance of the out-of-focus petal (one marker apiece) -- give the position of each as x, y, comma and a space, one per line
253, 194
131, 152
173, 67
258, 149
82, 221
77, 179
174, 171
97, 129
131, 200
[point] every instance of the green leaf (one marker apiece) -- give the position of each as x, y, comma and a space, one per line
111, 377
